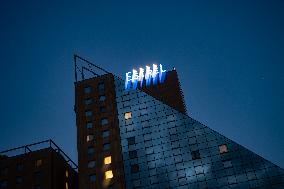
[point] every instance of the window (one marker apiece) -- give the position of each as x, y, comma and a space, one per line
223, 149
131, 140
102, 98
132, 154
91, 151
87, 90
38, 163
104, 121
105, 134
106, 146
20, 167
37, 187
101, 87
3, 171
107, 160
88, 113
127, 115
195, 155
102, 109
3, 183
19, 180
134, 168
227, 164
89, 125
92, 178
91, 164
90, 138
109, 174
37, 176
66, 185
88, 101
66, 174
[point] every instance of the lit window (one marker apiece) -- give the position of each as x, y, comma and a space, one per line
223, 148
105, 134
132, 154
101, 87
89, 125
134, 168
38, 163
88, 113
91, 164
90, 138
108, 174
66, 185
87, 89
195, 155
131, 140
92, 178
106, 146
91, 151
102, 98
107, 160
127, 115
104, 121
88, 101
66, 174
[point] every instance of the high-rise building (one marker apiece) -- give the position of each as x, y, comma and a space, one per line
40, 165
143, 138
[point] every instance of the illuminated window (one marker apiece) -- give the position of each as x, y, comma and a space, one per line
88, 113
106, 146
89, 125
90, 138
93, 178
66, 174
38, 163
87, 90
223, 149
108, 174
131, 140
127, 115
91, 164
132, 154
66, 185
102, 98
195, 154
107, 160
105, 134
104, 121
134, 168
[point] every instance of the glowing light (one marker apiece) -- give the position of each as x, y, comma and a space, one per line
109, 174
107, 160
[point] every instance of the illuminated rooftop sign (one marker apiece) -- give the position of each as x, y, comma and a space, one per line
136, 77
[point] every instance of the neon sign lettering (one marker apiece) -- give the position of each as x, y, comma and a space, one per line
135, 78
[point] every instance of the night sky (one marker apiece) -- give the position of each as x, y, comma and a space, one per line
229, 56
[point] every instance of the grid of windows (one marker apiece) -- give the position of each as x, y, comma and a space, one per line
175, 151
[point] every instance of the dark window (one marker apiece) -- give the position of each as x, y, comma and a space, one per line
131, 140
227, 164
87, 90
88, 113
37, 187
105, 134
132, 154
102, 98
37, 176
91, 164
106, 146
102, 109
20, 167
195, 155
104, 121
134, 168
101, 87
88, 101
3, 171
89, 125
91, 151
19, 180
3, 183
92, 178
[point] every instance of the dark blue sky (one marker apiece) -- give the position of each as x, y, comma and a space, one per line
229, 56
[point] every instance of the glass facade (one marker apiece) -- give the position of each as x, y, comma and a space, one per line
163, 148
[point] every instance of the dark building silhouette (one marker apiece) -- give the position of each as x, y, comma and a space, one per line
143, 138
41, 165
